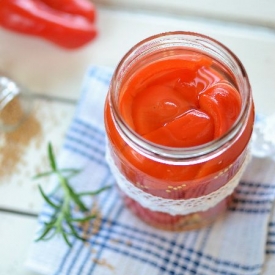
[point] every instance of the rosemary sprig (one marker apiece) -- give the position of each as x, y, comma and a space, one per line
62, 221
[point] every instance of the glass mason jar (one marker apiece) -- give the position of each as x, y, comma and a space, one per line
15, 103
190, 183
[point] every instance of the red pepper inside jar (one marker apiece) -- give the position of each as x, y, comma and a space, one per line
179, 116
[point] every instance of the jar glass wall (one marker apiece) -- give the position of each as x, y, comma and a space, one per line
179, 116
15, 103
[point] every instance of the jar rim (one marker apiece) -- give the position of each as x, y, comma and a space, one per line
179, 154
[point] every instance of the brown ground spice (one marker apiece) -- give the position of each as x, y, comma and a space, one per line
14, 143
87, 232
104, 262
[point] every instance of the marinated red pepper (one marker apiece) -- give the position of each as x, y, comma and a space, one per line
182, 99
173, 110
69, 24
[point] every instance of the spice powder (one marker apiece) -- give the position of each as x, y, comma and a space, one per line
14, 143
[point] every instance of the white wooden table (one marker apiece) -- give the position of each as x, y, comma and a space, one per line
55, 75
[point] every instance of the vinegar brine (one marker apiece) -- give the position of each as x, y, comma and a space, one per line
179, 116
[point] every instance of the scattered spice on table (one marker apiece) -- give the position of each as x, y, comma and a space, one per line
104, 262
87, 229
14, 143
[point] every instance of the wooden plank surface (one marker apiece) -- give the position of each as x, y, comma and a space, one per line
16, 233
247, 11
24, 154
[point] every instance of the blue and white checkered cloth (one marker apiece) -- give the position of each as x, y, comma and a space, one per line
241, 243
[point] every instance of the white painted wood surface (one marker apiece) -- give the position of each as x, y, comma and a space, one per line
56, 73
260, 12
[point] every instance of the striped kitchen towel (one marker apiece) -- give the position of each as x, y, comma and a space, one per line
241, 243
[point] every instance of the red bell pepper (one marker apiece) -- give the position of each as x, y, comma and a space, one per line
70, 24
78, 7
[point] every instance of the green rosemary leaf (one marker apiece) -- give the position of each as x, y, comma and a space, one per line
94, 193
85, 219
50, 235
47, 199
75, 197
70, 172
44, 233
51, 157
66, 238
42, 175
74, 232
51, 223
79, 202
78, 237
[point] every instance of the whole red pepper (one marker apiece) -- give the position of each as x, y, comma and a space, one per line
78, 7
68, 23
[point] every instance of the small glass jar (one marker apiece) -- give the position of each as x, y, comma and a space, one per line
15, 104
177, 188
